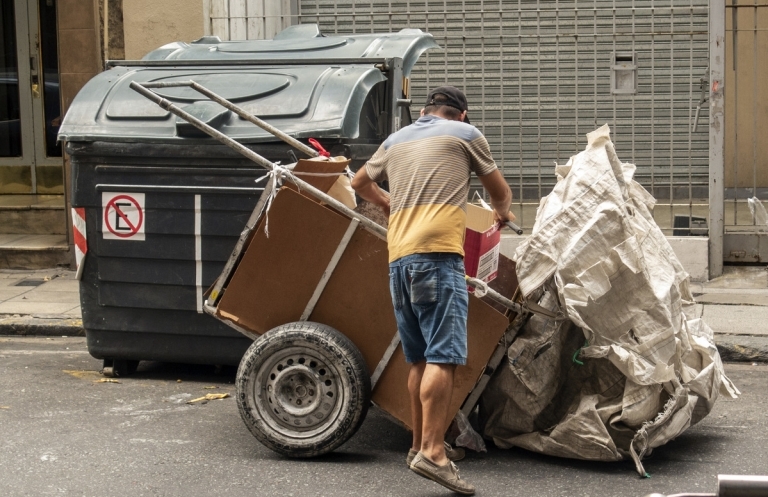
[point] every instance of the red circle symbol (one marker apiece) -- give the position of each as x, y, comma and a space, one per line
133, 229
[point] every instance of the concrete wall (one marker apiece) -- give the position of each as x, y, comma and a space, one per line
79, 61
746, 95
149, 24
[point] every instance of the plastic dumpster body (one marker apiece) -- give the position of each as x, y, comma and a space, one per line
164, 204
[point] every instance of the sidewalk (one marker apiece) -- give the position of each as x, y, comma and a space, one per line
735, 306
42, 302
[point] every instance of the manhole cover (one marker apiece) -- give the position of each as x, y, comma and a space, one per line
30, 282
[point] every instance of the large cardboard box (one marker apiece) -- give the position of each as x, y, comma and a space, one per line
482, 242
277, 276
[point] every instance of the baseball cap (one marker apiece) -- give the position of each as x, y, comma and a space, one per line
450, 96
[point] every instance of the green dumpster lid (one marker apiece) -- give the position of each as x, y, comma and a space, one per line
305, 84
303, 41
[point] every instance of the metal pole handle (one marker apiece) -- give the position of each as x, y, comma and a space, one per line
237, 110
517, 229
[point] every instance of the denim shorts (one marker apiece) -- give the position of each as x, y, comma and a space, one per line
430, 297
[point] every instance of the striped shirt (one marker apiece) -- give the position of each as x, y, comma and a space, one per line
428, 165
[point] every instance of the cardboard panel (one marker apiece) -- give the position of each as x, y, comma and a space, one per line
333, 165
485, 327
277, 275
356, 300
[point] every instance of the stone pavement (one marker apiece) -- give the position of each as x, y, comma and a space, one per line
735, 305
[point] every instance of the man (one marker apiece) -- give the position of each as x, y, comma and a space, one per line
428, 165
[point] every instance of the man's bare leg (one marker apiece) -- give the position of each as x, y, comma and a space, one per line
436, 392
414, 390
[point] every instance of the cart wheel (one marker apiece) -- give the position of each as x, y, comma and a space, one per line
303, 389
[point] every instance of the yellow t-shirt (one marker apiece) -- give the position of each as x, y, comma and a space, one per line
428, 165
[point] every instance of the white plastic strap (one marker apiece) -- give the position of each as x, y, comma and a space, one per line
481, 288
479, 198
275, 177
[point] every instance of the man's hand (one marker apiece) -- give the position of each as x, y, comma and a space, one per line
370, 191
501, 196
501, 220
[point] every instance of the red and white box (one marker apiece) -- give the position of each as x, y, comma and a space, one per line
482, 241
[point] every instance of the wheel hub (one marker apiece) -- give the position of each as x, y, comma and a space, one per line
301, 390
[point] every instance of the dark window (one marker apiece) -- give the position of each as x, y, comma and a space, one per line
10, 123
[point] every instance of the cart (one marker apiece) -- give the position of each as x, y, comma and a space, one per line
308, 282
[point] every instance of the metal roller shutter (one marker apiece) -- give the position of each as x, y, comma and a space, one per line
538, 78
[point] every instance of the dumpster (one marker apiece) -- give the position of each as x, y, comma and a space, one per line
164, 204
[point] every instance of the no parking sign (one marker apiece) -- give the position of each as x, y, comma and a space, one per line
123, 217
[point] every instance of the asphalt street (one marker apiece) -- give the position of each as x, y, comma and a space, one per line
62, 432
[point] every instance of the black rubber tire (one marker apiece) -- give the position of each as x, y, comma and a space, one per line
303, 389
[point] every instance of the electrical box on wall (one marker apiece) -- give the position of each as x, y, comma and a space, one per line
624, 73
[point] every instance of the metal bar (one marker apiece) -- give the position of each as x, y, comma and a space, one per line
329, 270
494, 295
385, 360
742, 485
634, 95
240, 112
198, 171
671, 124
177, 189
514, 227
716, 135
223, 278
250, 154
212, 311
538, 97
653, 103
248, 62
691, 94
395, 94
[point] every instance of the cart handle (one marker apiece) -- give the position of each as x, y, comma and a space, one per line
237, 110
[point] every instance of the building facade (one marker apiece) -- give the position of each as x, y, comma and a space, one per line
539, 76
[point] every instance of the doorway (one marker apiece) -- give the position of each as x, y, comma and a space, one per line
30, 112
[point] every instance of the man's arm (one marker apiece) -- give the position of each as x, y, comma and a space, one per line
501, 195
370, 191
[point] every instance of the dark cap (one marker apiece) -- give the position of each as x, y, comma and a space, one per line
450, 96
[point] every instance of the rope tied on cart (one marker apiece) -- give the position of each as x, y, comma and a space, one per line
481, 287
346, 172
277, 177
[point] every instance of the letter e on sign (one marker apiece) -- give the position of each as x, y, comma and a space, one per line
123, 216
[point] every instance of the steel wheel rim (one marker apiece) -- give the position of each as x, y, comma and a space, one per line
299, 391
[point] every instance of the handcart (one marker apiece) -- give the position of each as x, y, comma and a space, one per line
308, 282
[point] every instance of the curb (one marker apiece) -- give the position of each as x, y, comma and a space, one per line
41, 326
743, 348
749, 348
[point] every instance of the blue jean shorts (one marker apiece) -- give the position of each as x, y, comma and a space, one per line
430, 297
